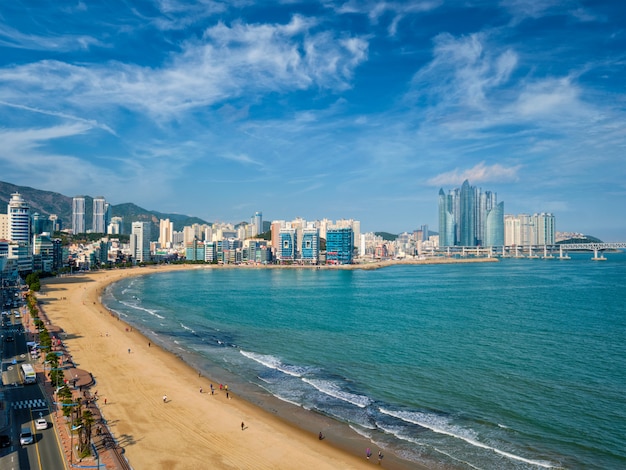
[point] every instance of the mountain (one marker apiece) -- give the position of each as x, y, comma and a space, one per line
48, 202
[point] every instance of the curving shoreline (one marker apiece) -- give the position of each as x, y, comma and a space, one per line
193, 428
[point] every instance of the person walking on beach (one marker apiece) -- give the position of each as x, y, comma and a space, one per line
164, 398
368, 453
242, 426
380, 457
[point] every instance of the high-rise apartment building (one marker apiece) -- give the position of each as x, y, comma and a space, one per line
258, 223
19, 222
288, 243
19, 231
493, 227
310, 245
339, 245
544, 228
100, 210
78, 215
469, 217
166, 233
140, 241
525, 230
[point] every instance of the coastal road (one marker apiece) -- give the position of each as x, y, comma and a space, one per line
28, 404
22, 404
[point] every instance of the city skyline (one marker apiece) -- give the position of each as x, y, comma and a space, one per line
344, 109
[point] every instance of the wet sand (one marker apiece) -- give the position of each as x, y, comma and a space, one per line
192, 430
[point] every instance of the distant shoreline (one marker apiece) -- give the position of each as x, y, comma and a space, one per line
365, 266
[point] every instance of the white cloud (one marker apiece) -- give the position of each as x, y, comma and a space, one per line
549, 98
480, 173
377, 10
89, 122
241, 158
231, 61
463, 71
13, 38
16, 139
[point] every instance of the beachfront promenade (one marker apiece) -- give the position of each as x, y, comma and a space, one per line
106, 452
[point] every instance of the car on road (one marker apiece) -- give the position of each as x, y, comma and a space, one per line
26, 436
5, 441
41, 423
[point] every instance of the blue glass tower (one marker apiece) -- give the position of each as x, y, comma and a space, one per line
339, 245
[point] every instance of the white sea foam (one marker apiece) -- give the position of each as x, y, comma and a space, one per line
147, 310
275, 363
360, 431
442, 425
185, 327
299, 405
331, 388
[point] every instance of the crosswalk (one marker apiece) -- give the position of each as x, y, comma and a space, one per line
14, 330
25, 404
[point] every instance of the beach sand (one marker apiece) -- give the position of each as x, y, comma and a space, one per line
192, 430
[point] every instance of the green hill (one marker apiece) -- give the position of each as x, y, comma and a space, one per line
48, 202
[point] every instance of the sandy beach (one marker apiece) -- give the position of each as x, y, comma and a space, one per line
192, 430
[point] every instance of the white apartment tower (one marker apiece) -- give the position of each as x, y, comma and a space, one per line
18, 212
166, 233
525, 230
140, 241
100, 208
78, 215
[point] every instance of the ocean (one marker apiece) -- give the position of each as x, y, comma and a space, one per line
519, 364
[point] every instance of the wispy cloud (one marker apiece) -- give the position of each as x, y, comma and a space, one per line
480, 173
376, 10
463, 71
230, 61
90, 122
13, 38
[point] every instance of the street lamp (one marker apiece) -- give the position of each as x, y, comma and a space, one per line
72, 429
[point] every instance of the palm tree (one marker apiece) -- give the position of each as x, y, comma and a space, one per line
84, 434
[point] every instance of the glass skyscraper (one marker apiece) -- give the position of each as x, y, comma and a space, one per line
339, 245
469, 217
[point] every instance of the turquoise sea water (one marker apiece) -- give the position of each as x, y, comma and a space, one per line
519, 364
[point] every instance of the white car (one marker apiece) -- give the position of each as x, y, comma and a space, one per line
26, 436
41, 423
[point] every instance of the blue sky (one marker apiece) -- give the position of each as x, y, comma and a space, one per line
337, 109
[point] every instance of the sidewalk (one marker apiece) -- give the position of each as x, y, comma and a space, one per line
109, 455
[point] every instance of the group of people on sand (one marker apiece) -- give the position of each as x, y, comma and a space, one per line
368, 454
